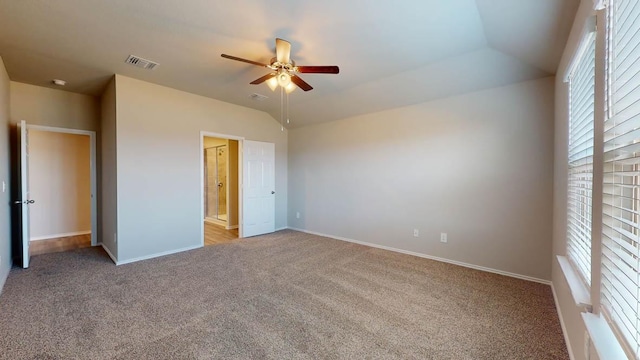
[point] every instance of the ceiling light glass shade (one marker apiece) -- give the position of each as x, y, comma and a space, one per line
272, 83
289, 88
284, 78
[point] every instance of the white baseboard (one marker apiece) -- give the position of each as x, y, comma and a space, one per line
284, 228
55, 236
164, 253
454, 262
106, 249
562, 325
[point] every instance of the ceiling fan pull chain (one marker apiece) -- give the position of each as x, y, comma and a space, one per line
281, 108
287, 94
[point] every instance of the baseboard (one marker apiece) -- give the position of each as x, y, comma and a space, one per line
284, 228
106, 249
430, 257
55, 236
562, 325
164, 253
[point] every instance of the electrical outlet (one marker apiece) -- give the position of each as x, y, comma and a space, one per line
297, 215
416, 233
443, 237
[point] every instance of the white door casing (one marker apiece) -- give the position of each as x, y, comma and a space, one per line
258, 188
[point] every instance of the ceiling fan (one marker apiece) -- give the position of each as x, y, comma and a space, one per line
285, 72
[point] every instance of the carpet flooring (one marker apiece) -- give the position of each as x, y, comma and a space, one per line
286, 295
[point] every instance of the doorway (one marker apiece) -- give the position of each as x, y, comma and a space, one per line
57, 168
250, 207
217, 160
220, 189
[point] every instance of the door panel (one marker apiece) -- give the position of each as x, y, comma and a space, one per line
24, 201
258, 188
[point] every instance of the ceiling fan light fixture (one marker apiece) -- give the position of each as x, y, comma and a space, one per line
272, 83
284, 79
289, 88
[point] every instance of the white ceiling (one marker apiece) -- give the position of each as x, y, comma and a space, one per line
390, 53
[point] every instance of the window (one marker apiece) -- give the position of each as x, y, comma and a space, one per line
620, 290
580, 182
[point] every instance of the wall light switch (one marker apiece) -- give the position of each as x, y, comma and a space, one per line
4, 186
443, 237
416, 233
297, 215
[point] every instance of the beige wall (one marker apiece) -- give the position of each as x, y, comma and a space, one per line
158, 163
5, 165
108, 224
478, 167
60, 184
569, 312
50, 107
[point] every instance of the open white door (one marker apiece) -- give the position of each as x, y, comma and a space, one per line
24, 201
258, 188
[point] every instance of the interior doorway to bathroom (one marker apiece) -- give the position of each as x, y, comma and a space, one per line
221, 198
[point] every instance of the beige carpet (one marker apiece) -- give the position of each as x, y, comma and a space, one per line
286, 295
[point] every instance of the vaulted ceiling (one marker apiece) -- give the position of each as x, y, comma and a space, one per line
390, 53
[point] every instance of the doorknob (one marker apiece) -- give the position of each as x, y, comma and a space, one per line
30, 201
24, 202
273, 192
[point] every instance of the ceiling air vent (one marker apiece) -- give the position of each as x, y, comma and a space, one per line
141, 63
258, 97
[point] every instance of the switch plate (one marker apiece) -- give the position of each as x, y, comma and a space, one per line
4, 186
297, 215
416, 233
443, 237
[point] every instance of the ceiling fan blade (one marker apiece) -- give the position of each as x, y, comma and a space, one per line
283, 51
318, 69
301, 83
243, 60
262, 79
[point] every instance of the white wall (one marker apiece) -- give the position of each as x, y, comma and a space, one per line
60, 184
158, 163
108, 224
478, 167
5, 165
569, 312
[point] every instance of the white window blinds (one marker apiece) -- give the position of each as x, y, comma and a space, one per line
621, 187
580, 182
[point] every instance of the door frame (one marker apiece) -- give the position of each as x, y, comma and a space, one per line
92, 166
240, 141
